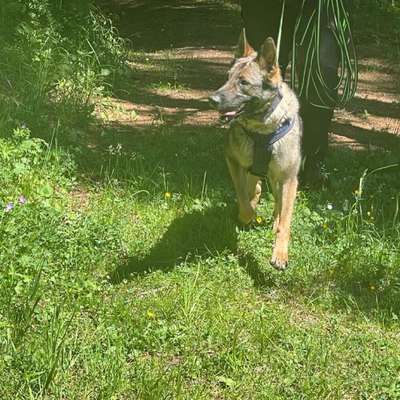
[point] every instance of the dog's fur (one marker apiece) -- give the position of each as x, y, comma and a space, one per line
251, 86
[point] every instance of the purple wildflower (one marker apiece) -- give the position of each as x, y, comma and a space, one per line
22, 199
9, 207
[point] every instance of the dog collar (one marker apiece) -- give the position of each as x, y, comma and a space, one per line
271, 138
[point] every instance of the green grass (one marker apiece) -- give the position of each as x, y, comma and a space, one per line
138, 285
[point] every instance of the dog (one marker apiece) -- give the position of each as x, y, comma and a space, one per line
263, 139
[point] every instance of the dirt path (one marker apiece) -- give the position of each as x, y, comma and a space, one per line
182, 50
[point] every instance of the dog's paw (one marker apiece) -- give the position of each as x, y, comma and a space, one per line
279, 265
279, 260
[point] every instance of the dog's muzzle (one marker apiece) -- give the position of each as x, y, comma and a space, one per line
225, 117
214, 101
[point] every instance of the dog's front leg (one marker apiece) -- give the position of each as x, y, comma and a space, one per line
239, 178
286, 196
277, 193
254, 189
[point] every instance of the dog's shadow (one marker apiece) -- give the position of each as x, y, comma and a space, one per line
200, 233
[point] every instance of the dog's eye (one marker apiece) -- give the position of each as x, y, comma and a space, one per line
243, 82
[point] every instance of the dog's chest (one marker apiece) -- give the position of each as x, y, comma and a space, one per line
239, 146
285, 153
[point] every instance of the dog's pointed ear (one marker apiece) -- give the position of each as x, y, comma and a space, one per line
267, 57
243, 48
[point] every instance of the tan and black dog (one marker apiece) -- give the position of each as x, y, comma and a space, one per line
264, 137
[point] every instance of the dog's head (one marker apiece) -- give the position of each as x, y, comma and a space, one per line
253, 77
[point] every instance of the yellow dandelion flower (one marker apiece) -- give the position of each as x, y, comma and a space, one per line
150, 314
259, 220
167, 195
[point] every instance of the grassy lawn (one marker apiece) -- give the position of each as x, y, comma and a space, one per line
123, 274
140, 286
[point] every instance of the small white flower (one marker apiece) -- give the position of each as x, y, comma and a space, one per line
329, 206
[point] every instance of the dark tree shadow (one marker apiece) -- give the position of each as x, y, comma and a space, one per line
381, 139
189, 74
164, 24
375, 107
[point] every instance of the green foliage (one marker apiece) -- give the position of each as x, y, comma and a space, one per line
56, 56
36, 217
383, 27
28, 166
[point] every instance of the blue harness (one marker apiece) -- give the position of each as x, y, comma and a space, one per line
263, 142
263, 147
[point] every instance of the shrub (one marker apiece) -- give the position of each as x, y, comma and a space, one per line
56, 56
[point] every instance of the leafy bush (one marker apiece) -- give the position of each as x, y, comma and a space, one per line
28, 166
383, 27
56, 55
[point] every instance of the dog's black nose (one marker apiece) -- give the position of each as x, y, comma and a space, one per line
214, 100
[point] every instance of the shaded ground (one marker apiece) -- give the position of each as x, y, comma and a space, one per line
181, 51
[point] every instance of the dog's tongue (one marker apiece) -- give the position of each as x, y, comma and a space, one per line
230, 114
227, 117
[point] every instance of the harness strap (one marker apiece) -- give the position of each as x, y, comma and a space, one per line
280, 132
263, 146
